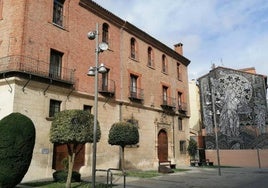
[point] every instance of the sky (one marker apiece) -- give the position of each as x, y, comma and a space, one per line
228, 33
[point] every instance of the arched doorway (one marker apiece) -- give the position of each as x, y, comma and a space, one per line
162, 146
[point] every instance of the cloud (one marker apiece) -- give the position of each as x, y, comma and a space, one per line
228, 33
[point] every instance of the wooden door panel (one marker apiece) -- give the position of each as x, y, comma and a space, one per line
162, 146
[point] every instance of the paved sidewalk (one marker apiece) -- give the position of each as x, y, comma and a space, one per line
198, 177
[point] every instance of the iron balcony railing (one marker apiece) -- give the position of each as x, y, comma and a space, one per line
182, 107
168, 101
37, 67
136, 93
106, 86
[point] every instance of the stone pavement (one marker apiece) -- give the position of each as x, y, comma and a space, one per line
198, 177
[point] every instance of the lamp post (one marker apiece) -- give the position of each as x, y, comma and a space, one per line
215, 124
93, 71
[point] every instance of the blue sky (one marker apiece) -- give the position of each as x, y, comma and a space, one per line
229, 33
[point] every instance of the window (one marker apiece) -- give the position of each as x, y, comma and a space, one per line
133, 48
164, 64
58, 12
133, 85
182, 146
178, 71
55, 64
87, 108
105, 33
54, 107
179, 99
104, 79
180, 124
150, 57
165, 95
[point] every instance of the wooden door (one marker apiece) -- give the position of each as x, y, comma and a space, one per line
162, 146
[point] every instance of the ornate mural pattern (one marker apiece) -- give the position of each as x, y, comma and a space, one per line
240, 105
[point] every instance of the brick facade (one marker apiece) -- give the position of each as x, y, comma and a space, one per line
28, 37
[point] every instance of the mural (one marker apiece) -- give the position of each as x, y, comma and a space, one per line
240, 109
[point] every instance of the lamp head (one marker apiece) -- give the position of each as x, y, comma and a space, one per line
91, 35
102, 69
91, 71
103, 46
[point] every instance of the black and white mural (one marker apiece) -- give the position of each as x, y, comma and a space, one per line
237, 100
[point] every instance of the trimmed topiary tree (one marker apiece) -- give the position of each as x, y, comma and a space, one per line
122, 134
17, 140
192, 148
73, 127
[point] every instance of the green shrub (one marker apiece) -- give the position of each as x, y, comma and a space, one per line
17, 139
61, 176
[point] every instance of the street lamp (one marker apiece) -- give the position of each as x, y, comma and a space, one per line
93, 71
215, 123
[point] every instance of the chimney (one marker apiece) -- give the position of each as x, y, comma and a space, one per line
178, 48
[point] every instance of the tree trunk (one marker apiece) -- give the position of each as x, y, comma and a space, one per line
70, 170
123, 159
71, 157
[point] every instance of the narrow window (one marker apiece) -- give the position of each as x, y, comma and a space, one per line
182, 146
133, 85
178, 72
58, 12
179, 99
105, 33
55, 64
165, 95
150, 57
133, 48
180, 124
164, 64
104, 81
87, 108
54, 107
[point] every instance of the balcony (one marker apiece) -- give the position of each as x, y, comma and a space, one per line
168, 103
24, 66
136, 94
106, 88
182, 107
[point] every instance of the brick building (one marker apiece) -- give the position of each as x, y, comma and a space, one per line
44, 59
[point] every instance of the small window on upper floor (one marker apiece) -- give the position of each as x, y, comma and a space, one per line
179, 99
165, 95
105, 33
58, 16
164, 64
150, 57
1, 9
178, 72
133, 84
133, 48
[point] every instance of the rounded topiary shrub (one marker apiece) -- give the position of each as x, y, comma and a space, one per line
17, 139
61, 176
